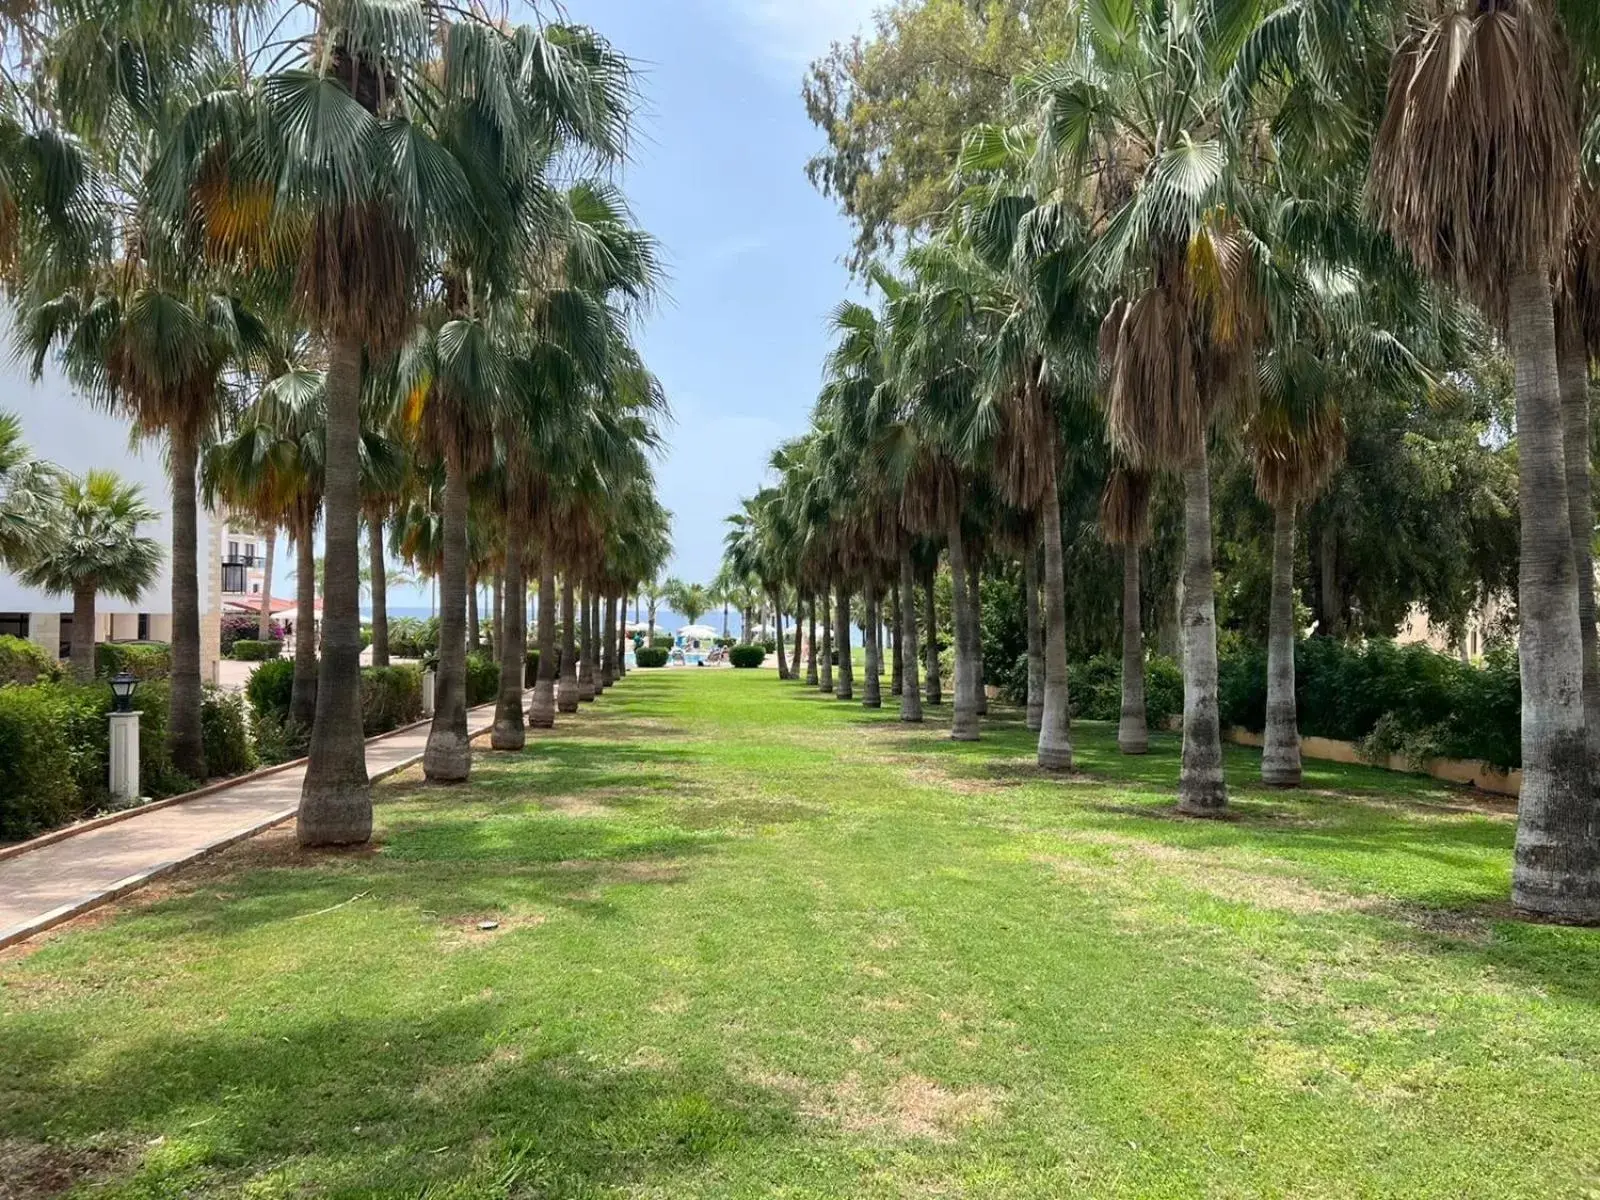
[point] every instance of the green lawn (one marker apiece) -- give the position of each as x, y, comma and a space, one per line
755, 942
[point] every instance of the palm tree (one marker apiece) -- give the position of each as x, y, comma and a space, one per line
1474, 172
28, 489
93, 546
689, 600
1125, 522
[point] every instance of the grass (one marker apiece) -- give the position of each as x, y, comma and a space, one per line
755, 942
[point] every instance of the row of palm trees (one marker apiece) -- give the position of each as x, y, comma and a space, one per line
1213, 221
352, 262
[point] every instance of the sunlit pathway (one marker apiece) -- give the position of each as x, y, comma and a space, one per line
44, 886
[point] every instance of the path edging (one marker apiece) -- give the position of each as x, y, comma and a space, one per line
132, 883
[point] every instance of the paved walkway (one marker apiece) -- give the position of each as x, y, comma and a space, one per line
43, 887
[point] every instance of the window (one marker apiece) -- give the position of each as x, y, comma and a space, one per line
65, 648
255, 589
13, 625
233, 551
250, 552
144, 627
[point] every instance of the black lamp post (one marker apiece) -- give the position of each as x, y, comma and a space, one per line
122, 686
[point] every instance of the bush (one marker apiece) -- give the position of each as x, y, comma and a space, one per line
390, 697
37, 787
412, 638
25, 662
1096, 689
724, 642
237, 627
770, 645
226, 734
661, 641
747, 656
483, 678
270, 687
142, 660
1405, 700
250, 650
650, 656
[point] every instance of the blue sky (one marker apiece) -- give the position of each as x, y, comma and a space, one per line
754, 255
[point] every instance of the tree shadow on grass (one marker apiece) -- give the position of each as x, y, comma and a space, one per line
469, 1093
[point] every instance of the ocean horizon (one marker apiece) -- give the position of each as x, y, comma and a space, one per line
667, 621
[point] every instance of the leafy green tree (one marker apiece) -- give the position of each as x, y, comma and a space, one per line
28, 487
93, 546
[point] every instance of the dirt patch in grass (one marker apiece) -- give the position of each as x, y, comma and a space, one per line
912, 1106
460, 933
39, 1170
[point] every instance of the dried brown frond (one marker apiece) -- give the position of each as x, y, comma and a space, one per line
1025, 446
1125, 507
355, 278
1475, 163
1295, 458
1153, 405
1579, 298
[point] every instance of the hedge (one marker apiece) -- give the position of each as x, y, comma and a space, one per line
724, 642
1095, 688
1408, 700
661, 641
747, 656
142, 660
650, 656
237, 627
22, 661
390, 697
250, 650
483, 678
55, 750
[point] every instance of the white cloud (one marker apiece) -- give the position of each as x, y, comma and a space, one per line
790, 33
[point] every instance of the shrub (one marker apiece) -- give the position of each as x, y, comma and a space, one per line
1404, 700
483, 678
530, 670
250, 650
37, 787
226, 734
25, 662
413, 638
724, 642
142, 660
390, 697
747, 656
237, 627
650, 656
661, 641
270, 687
770, 646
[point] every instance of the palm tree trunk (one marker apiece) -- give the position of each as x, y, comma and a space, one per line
567, 692
724, 620
897, 668
777, 634
608, 642
933, 694
794, 656
542, 708
811, 640
964, 718
622, 636
184, 740
264, 626
586, 631
303, 688
1201, 789
1280, 756
975, 636
336, 798
509, 732
380, 588
1574, 367
448, 755
872, 693
83, 632
474, 626
845, 689
1133, 733
1030, 582
910, 697
826, 669
1055, 728
1556, 870
497, 592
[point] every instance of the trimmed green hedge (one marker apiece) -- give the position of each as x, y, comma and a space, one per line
270, 687
251, 650
1409, 700
1095, 687
483, 678
661, 641
650, 656
747, 656
142, 660
25, 662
